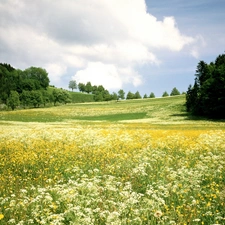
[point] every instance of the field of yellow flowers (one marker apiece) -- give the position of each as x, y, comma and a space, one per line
112, 173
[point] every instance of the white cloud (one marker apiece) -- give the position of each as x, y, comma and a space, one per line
104, 40
55, 71
108, 75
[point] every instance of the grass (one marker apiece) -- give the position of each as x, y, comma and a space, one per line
163, 109
128, 162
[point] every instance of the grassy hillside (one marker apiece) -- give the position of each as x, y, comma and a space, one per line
77, 97
167, 111
170, 108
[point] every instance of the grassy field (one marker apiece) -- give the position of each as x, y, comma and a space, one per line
128, 162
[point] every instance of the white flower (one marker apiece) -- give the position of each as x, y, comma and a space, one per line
158, 214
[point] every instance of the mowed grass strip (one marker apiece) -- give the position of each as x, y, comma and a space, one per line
115, 117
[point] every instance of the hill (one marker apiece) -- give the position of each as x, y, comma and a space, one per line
76, 97
156, 110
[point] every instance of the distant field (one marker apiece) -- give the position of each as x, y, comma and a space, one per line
161, 109
128, 162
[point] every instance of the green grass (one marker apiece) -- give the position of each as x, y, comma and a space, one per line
163, 108
115, 117
159, 112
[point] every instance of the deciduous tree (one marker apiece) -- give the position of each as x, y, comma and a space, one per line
72, 85
13, 101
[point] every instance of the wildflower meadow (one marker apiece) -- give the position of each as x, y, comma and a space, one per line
160, 169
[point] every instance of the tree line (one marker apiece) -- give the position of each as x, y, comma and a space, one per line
30, 88
207, 96
101, 94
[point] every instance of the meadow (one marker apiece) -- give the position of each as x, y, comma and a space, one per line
132, 162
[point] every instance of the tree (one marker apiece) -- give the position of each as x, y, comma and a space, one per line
106, 95
65, 98
88, 87
94, 89
174, 92
8, 81
202, 72
130, 95
38, 75
121, 94
61, 96
13, 101
98, 97
25, 98
57, 95
81, 87
72, 84
114, 96
46, 97
100, 88
36, 98
207, 96
137, 95
145, 96
165, 94
28, 85
152, 95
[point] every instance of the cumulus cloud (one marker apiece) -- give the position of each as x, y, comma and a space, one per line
104, 41
108, 75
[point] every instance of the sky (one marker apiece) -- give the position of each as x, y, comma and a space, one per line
134, 45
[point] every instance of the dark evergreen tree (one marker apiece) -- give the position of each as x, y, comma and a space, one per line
207, 96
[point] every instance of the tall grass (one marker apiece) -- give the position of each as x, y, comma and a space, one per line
162, 168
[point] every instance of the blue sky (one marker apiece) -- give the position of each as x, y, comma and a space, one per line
134, 45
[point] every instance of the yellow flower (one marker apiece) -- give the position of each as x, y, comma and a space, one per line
1, 216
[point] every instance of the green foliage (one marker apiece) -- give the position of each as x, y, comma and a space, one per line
137, 95
114, 96
73, 84
13, 101
145, 96
98, 97
81, 87
29, 84
130, 95
38, 76
61, 96
152, 95
207, 96
36, 98
88, 87
25, 98
121, 94
165, 94
174, 92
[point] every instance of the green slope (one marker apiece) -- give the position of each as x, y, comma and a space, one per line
157, 109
